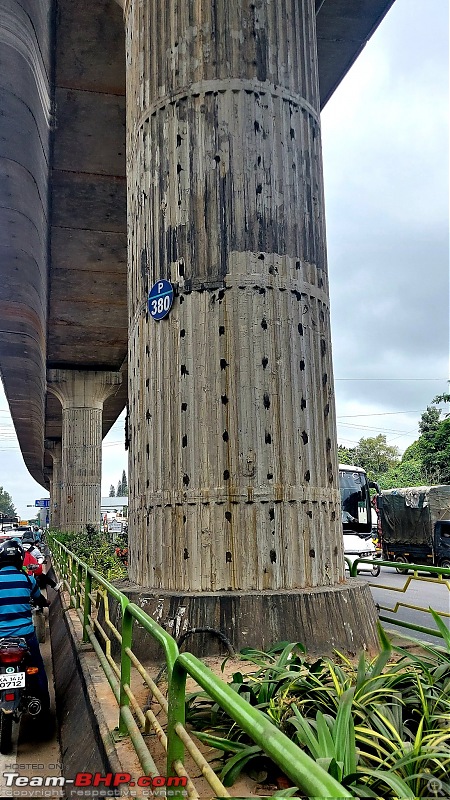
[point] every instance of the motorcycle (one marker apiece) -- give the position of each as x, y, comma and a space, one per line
19, 691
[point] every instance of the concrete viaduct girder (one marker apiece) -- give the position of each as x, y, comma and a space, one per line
63, 292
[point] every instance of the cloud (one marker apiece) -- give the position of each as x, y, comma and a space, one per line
385, 140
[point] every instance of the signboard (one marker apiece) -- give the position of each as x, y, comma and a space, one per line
45, 503
160, 299
114, 527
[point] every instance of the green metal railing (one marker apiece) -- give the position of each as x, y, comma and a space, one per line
435, 575
79, 580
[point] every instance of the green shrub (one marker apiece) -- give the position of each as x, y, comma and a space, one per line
380, 727
94, 548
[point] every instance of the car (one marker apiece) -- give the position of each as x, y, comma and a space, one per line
361, 546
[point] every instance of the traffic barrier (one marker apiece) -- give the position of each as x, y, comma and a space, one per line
413, 572
87, 590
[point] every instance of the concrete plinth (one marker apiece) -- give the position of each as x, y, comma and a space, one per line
322, 619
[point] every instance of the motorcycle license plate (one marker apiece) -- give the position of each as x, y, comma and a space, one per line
15, 680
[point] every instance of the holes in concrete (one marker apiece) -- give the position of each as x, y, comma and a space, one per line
184, 441
266, 400
223, 363
225, 436
323, 347
333, 515
261, 257
228, 516
259, 189
302, 365
312, 553
186, 480
228, 558
226, 475
300, 328
264, 324
186, 554
304, 437
326, 410
270, 476
307, 476
303, 403
221, 330
268, 438
271, 513
184, 406
184, 370
273, 556
182, 333
264, 362
224, 399
324, 379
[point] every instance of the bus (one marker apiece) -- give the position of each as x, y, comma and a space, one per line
356, 510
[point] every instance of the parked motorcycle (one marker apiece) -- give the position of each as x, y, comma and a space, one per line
19, 691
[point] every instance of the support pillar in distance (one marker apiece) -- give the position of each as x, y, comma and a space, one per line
54, 447
82, 395
234, 490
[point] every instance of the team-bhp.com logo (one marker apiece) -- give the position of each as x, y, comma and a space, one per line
94, 784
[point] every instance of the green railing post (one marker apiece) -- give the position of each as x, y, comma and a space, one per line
125, 661
87, 604
175, 714
72, 581
78, 585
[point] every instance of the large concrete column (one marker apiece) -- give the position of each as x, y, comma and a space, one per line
233, 467
82, 395
54, 447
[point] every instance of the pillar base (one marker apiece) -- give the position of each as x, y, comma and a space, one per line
322, 619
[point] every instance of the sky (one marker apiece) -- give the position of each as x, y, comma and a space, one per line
385, 150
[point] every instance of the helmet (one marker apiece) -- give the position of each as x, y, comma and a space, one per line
11, 553
28, 538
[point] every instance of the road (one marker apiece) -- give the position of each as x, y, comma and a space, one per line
420, 592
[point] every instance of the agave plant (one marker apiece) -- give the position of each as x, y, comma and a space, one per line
380, 727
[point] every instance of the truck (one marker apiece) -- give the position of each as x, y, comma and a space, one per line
356, 511
415, 525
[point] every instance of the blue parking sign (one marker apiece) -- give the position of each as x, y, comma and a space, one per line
160, 299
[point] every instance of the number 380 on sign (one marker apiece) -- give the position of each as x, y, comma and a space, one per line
160, 299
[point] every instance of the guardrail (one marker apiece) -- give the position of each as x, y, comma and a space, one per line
78, 578
441, 578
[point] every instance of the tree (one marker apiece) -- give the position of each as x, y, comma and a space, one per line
119, 489
346, 455
124, 484
434, 448
6, 504
429, 421
376, 456
112, 491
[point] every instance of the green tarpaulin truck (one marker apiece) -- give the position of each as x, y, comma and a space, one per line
415, 525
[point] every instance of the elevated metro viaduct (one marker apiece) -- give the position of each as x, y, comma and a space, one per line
231, 423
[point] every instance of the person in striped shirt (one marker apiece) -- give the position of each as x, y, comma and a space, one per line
17, 590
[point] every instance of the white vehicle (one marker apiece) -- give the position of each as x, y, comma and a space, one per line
357, 517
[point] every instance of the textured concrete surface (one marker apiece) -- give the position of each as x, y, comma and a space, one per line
342, 617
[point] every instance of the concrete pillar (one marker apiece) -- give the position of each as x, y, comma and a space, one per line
82, 395
233, 473
55, 449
